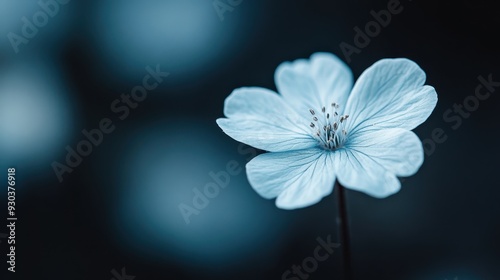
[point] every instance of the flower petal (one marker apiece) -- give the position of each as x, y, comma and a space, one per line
398, 150
260, 118
360, 172
298, 178
389, 94
313, 83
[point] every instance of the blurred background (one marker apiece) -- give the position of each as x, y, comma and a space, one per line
68, 66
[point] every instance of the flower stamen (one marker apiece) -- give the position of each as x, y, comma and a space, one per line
333, 134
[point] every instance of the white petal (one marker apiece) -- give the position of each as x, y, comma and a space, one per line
389, 94
298, 178
258, 103
313, 83
360, 172
260, 118
399, 151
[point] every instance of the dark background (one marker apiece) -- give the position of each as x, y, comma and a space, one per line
119, 207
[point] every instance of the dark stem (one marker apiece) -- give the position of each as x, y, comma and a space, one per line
343, 227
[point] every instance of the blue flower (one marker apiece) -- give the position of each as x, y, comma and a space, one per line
321, 128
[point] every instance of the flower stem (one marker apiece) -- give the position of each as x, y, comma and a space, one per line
343, 227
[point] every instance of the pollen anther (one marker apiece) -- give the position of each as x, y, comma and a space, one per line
333, 135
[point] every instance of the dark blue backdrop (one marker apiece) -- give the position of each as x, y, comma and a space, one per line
116, 210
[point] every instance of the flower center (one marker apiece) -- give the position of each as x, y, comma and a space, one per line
329, 127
